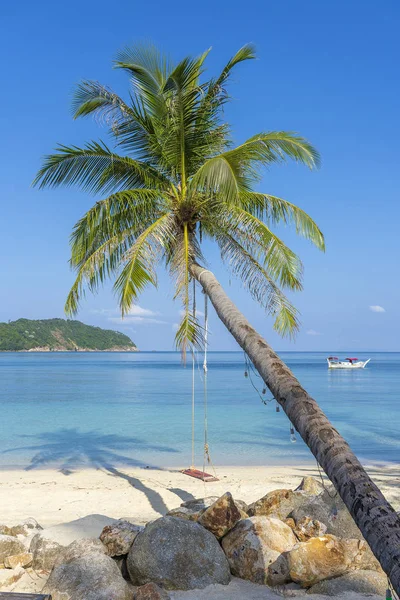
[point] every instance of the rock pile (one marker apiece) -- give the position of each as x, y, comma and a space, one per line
304, 538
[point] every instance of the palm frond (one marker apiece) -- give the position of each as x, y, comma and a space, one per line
95, 168
141, 259
282, 263
276, 210
92, 97
259, 283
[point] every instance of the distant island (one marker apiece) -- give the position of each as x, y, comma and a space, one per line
60, 335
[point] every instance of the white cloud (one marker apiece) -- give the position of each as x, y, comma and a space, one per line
138, 311
128, 320
134, 311
377, 308
312, 332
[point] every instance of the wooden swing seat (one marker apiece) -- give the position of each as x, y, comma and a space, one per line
206, 477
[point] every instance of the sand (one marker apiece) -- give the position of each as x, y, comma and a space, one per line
141, 495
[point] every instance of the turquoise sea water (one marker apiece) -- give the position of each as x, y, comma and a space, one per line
68, 410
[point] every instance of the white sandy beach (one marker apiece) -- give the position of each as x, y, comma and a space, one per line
144, 494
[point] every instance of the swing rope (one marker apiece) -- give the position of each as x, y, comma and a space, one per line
193, 382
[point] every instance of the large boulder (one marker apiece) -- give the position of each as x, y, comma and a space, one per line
329, 508
80, 548
256, 549
119, 537
94, 576
45, 552
324, 557
177, 554
221, 516
279, 504
360, 582
10, 545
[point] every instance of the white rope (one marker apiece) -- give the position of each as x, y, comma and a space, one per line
193, 386
206, 455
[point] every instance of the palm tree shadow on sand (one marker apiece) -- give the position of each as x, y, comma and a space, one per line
70, 450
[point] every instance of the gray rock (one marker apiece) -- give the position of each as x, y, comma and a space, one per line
80, 548
119, 537
45, 552
256, 550
9, 546
361, 582
94, 576
279, 504
329, 509
200, 503
177, 554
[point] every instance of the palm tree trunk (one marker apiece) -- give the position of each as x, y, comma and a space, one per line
374, 516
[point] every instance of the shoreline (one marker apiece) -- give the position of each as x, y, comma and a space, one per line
141, 494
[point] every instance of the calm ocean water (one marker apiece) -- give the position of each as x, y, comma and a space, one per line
109, 409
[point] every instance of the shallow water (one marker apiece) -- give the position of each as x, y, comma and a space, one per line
68, 410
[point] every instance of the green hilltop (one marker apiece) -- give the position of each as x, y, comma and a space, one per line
60, 335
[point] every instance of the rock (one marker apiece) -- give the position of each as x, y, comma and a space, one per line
322, 558
311, 486
332, 512
200, 504
255, 548
120, 561
9, 546
189, 514
119, 537
308, 528
279, 504
150, 591
361, 582
10, 576
45, 552
18, 560
80, 548
5, 530
177, 554
94, 576
28, 527
221, 516
291, 523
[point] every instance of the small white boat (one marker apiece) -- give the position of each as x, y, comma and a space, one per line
349, 363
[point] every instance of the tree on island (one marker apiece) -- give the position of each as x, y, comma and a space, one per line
178, 180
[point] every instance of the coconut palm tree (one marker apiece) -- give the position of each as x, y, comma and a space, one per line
174, 178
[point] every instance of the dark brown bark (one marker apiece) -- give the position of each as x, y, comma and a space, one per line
375, 517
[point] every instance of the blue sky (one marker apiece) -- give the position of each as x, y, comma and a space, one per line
328, 70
